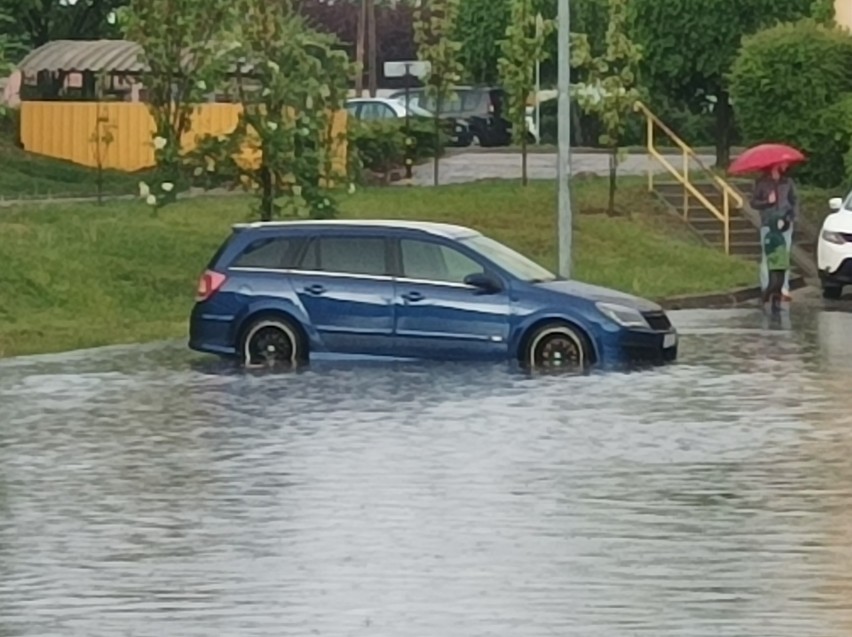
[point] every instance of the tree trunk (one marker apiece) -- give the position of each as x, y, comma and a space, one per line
613, 180
524, 156
723, 129
359, 48
372, 56
266, 197
437, 137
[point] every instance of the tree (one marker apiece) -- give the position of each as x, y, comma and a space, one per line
40, 21
480, 27
434, 23
689, 46
610, 90
296, 83
186, 52
522, 49
775, 101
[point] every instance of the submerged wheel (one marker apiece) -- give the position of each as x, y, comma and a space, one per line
557, 346
272, 342
832, 292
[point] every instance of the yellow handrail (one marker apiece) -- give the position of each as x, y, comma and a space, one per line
729, 194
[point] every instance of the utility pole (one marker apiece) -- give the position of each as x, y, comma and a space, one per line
359, 48
373, 81
563, 170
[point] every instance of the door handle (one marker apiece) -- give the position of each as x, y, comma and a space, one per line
315, 289
413, 297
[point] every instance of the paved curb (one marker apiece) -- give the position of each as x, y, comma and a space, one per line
731, 298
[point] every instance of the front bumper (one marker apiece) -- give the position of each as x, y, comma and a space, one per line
841, 274
650, 348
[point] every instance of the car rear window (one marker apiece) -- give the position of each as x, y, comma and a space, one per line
351, 255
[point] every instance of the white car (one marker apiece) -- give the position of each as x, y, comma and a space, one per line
834, 248
372, 108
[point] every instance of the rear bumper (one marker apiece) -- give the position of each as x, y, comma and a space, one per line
211, 333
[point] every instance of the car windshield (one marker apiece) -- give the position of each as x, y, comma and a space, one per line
512, 262
414, 109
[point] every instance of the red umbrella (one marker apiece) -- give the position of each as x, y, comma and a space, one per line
764, 157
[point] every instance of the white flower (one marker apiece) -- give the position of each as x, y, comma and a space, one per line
326, 202
201, 85
160, 142
144, 189
351, 189
297, 190
309, 102
273, 66
151, 200
267, 92
168, 186
198, 171
272, 125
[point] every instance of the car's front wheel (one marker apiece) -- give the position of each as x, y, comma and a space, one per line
272, 342
832, 292
557, 346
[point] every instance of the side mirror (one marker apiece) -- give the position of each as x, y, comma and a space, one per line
835, 203
486, 283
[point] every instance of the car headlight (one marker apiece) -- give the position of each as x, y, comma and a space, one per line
833, 237
623, 315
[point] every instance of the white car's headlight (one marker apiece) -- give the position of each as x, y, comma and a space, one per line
833, 237
623, 315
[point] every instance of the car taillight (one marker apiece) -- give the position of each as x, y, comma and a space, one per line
209, 284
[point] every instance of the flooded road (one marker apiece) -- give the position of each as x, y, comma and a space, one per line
148, 492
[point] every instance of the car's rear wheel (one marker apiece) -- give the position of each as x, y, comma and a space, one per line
557, 346
832, 292
272, 342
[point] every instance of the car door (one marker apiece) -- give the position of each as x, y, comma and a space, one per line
437, 314
344, 285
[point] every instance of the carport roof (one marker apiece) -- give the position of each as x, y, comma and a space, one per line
116, 56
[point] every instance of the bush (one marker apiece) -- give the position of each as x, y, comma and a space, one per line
379, 146
791, 83
586, 129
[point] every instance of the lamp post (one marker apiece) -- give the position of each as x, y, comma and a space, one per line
563, 170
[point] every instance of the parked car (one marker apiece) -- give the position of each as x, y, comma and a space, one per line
834, 248
278, 292
481, 107
378, 108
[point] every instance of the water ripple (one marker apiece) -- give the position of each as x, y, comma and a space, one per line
145, 491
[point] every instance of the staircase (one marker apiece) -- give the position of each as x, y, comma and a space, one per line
715, 209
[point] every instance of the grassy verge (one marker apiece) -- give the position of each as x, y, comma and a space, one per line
28, 176
79, 275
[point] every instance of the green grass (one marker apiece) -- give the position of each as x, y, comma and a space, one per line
77, 276
27, 176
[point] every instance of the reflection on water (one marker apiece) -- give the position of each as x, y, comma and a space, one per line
147, 492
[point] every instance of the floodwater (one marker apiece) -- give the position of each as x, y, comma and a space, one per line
146, 492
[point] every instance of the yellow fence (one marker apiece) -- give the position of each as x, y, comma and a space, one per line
686, 176
71, 130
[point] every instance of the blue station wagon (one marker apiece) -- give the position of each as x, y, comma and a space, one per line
278, 292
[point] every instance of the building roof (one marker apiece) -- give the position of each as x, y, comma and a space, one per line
116, 56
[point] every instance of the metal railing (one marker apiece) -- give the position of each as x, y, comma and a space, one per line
686, 175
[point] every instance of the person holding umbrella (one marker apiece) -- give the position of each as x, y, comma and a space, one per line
776, 200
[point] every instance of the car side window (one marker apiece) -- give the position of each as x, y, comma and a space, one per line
346, 255
385, 111
273, 253
352, 109
371, 110
435, 262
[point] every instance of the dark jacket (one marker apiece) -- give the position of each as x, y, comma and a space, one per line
786, 198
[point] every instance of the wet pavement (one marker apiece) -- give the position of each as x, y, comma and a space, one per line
465, 167
145, 491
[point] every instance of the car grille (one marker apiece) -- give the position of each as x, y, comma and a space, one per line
658, 321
